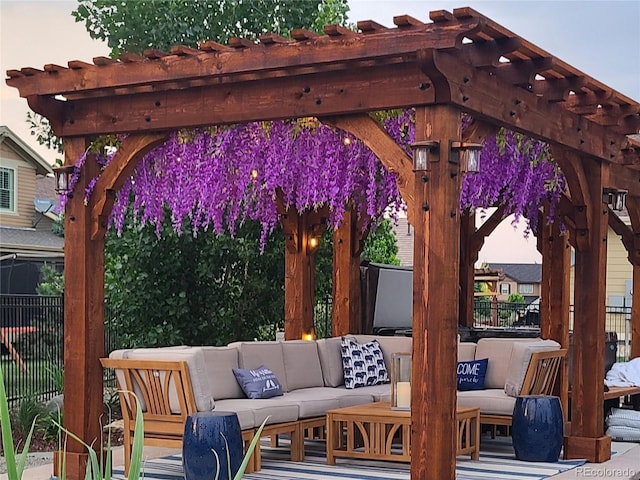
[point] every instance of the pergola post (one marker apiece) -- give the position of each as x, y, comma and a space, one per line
633, 248
435, 300
555, 296
587, 439
299, 273
635, 313
83, 320
348, 241
468, 258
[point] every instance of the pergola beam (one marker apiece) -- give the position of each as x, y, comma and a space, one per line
393, 157
486, 97
115, 174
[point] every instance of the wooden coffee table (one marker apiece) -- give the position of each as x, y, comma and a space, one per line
369, 431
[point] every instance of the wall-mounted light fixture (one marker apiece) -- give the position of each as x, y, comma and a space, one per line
467, 155
614, 198
424, 152
314, 235
314, 242
63, 178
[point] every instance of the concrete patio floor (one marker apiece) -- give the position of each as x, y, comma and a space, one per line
625, 465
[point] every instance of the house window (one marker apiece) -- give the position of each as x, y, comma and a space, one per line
7, 189
525, 288
505, 289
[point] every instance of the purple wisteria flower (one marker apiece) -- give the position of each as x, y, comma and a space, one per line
218, 177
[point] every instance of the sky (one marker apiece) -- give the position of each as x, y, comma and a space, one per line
600, 38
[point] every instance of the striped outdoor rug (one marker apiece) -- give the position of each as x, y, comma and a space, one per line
497, 461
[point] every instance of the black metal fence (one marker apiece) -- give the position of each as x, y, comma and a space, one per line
517, 315
32, 345
31, 332
504, 314
322, 314
32, 336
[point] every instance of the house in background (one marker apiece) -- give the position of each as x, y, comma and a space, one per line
28, 208
522, 278
404, 237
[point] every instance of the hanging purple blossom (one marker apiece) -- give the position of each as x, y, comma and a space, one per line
218, 177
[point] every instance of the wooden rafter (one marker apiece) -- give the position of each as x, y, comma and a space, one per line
593, 118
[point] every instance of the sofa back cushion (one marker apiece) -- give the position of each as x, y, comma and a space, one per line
200, 380
220, 362
269, 354
389, 345
302, 364
329, 352
498, 351
519, 363
466, 351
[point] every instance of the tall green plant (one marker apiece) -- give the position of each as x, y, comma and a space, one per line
98, 470
15, 462
245, 461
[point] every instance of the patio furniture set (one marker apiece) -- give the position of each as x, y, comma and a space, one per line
301, 389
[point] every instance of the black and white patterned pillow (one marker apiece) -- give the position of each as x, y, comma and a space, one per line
363, 364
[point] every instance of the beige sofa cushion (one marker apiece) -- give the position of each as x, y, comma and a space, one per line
314, 401
519, 363
498, 351
492, 401
200, 380
466, 351
270, 354
302, 365
219, 362
330, 354
251, 413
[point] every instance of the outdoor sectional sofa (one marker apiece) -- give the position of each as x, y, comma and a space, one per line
173, 382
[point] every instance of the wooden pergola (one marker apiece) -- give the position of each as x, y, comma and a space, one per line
458, 62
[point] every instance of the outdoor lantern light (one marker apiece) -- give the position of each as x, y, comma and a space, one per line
467, 155
614, 198
314, 234
313, 242
422, 153
401, 381
309, 336
63, 178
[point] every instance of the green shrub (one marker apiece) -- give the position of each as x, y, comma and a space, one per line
28, 414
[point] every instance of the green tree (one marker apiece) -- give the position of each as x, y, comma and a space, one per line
135, 26
381, 246
52, 281
204, 289
516, 298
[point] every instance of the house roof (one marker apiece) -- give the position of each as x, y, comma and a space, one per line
27, 240
520, 272
24, 150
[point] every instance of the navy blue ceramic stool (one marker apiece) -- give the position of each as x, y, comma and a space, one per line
538, 428
206, 431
